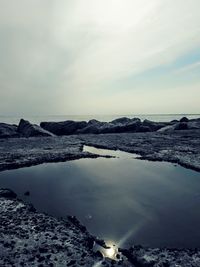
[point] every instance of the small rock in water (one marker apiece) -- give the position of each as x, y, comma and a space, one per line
27, 193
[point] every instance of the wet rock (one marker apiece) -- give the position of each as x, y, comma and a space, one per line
64, 127
29, 130
7, 193
8, 130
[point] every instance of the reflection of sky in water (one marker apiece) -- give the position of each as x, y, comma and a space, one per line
125, 200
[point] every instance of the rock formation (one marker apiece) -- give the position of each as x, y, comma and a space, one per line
25, 128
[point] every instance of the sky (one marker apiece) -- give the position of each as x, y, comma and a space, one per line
73, 57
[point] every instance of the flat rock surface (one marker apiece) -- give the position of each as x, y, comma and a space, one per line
29, 238
181, 147
23, 152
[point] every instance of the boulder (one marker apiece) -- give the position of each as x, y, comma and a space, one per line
122, 120
167, 129
25, 128
174, 127
8, 130
63, 127
184, 119
181, 126
154, 126
121, 125
93, 127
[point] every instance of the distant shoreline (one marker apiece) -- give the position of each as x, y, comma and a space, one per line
38, 118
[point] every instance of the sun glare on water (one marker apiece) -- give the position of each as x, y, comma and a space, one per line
110, 253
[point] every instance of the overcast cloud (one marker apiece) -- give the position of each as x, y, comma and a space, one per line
99, 56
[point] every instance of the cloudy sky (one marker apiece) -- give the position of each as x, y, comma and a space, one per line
99, 56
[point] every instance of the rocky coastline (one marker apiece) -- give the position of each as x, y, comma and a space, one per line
29, 238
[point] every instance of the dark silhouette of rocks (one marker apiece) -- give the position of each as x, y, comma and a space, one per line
8, 130
181, 126
63, 127
154, 126
184, 119
25, 128
120, 125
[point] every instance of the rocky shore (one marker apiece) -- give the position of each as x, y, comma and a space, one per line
181, 146
28, 238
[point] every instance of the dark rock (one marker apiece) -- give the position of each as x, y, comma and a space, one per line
184, 119
181, 126
120, 125
174, 127
194, 124
93, 127
29, 130
154, 126
122, 120
63, 127
7, 193
27, 193
8, 130
173, 121
167, 129
144, 129
98, 254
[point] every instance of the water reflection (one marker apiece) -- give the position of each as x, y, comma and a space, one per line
107, 152
121, 199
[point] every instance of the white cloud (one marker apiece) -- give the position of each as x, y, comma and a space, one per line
60, 51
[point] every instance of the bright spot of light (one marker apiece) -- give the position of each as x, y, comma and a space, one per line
110, 252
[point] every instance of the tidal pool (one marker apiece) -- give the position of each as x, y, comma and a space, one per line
122, 200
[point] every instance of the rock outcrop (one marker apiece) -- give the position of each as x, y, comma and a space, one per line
8, 130
154, 126
121, 125
182, 125
63, 127
25, 128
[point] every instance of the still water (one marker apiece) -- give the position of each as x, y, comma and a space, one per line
122, 200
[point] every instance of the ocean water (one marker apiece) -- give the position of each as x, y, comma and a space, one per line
123, 200
153, 117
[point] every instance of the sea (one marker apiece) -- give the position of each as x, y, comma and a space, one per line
154, 117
